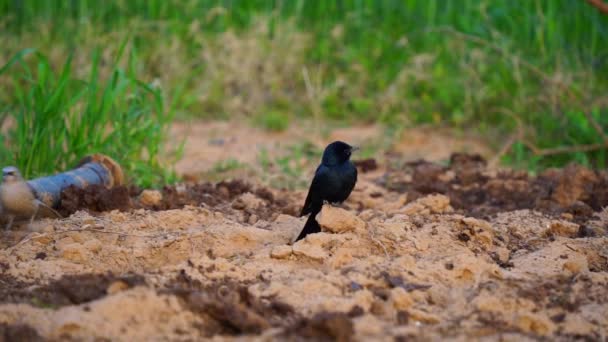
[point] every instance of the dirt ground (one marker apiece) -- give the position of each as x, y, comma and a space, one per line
447, 248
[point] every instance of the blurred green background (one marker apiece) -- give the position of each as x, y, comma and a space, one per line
111, 76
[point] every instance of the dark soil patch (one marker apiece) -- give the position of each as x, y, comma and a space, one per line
366, 165
219, 195
18, 332
94, 198
224, 195
559, 292
231, 309
478, 192
68, 290
324, 326
398, 281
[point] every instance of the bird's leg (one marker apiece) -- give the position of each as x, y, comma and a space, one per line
37, 207
10, 222
338, 204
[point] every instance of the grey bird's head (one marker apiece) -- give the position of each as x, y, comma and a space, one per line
11, 174
337, 152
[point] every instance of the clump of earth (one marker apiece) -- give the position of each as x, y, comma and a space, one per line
420, 250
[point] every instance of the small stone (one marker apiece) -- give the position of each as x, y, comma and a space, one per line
281, 252
421, 244
436, 204
477, 224
93, 245
401, 299
74, 252
253, 219
576, 265
567, 216
503, 254
116, 287
535, 323
484, 238
338, 220
88, 220
340, 258
309, 250
563, 228
367, 214
423, 317
150, 198
181, 188
42, 239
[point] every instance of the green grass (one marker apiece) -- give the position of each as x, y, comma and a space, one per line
272, 121
57, 119
227, 165
286, 170
527, 70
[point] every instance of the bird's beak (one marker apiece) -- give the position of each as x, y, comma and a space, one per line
354, 148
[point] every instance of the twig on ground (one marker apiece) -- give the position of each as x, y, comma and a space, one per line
378, 242
565, 149
520, 136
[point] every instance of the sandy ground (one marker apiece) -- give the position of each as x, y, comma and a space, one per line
420, 251
209, 144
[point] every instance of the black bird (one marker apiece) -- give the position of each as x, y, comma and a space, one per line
334, 180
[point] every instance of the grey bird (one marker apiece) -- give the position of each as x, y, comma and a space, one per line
17, 199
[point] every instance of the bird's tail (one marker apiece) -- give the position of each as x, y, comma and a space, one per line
311, 226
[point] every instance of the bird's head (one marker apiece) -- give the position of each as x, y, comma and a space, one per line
11, 174
337, 152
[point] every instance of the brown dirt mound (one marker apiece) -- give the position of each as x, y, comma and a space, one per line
18, 332
366, 165
95, 198
98, 199
477, 191
409, 266
68, 290
234, 311
230, 306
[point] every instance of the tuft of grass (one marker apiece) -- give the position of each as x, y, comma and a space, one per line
286, 170
227, 165
55, 118
273, 121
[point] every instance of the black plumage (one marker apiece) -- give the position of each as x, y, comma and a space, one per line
333, 182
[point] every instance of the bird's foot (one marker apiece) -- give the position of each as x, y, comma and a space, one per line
9, 224
32, 227
333, 204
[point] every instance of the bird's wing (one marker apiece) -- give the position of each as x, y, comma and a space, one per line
48, 211
315, 191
